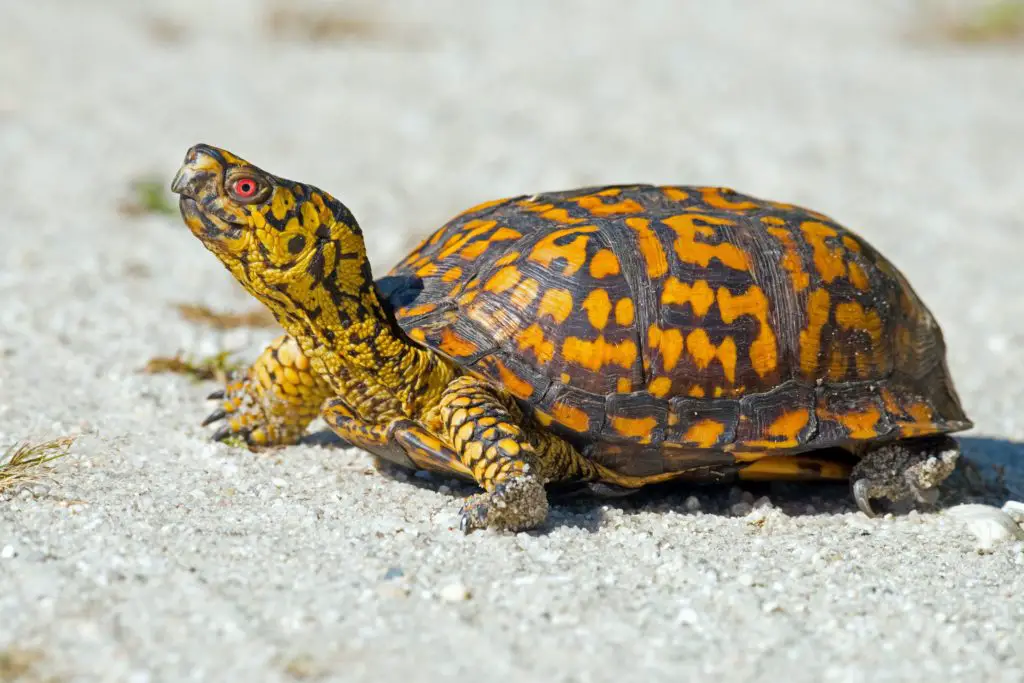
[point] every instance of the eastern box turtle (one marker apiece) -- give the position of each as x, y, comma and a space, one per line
615, 336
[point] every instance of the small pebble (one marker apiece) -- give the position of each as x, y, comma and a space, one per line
990, 525
1015, 509
741, 509
692, 504
7, 552
455, 592
686, 616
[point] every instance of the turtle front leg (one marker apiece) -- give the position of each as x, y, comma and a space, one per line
512, 463
904, 470
274, 401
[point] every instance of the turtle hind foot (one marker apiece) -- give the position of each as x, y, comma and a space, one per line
516, 504
907, 470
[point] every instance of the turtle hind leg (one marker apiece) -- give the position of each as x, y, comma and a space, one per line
911, 469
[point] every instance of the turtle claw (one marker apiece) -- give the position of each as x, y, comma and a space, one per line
218, 414
220, 393
862, 495
222, 433
904, 471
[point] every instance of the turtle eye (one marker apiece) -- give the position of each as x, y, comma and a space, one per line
244, 188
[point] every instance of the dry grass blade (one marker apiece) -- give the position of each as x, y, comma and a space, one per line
991, 21
197, 313
318, 24
21, 464
217, 367
148, 196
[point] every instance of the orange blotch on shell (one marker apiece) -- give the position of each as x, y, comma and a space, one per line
474, 250
455, 345
506, 278
715, 196
604, 263
547, 249
704, 433
417, 334
556, 303
596, 207
818, 309
851, 243
571, 417
669, 344
543, 418
524, 293
593, 355
481, 207
790, 467
785, 430
763, 350
860, 425
623, 385
660, 386
703, 351
696, 391
689, 250
699, 295
851, 316
650, 247
532, 339
510, 257
624, 311
791, 259
427, 270
418, 310
675, 194
471, 230
513, 383
858, 278
598, 307
565, 378
639, 428
828, 261
452, 274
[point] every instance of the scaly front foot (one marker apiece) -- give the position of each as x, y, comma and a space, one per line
516, 504
273, 402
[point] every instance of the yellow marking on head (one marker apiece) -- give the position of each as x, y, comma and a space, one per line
660, 386
699, 295
858, 278
574, 253
504, 279
818, 309
282, 202
675, 194
624, 385
624, 311
704, 433
715, 196
454, 345
635, 427
650, 247
513, 383
573, 418
452, 274
689, 250
604, 264
593, 355
791, 260
596, 207
598, 308
256, 214
763, 350
828, 261
310, 217
557, 303
532, 338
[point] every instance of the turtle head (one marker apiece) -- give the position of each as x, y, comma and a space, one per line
284, 241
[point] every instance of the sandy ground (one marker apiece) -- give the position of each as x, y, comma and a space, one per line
156, 555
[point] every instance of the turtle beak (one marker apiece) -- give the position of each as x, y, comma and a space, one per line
202, 166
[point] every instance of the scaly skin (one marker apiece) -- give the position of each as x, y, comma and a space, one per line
300, 251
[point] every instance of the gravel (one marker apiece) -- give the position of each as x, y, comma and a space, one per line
155, 555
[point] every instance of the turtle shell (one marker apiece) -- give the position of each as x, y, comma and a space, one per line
649, 325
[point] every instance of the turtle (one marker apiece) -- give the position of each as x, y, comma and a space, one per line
613, 337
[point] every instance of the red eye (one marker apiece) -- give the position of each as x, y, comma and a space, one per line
245, 188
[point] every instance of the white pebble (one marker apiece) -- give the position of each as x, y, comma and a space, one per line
990, 525
692, 504
455, 592
1015, 508
741, 509
686, 616
7, 552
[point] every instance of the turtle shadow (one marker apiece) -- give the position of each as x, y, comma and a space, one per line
990, 472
